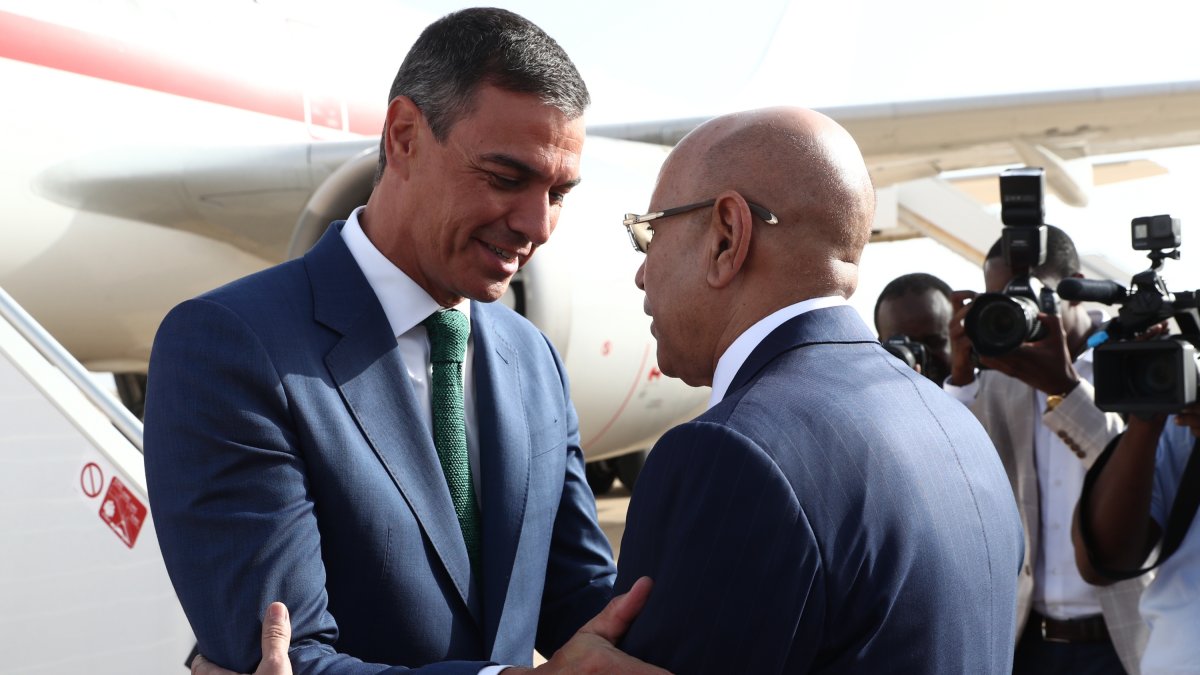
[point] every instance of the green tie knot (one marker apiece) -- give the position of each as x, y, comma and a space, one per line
448, 332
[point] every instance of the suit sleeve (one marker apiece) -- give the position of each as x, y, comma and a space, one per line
230, 496
580, 569
736, 570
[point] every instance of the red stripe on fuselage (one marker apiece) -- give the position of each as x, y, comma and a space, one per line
75, 51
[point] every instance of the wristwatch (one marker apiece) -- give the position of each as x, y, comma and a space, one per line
1053, 400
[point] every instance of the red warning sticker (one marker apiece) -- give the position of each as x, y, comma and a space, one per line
123, 512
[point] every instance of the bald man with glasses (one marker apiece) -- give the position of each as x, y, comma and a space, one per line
832, 511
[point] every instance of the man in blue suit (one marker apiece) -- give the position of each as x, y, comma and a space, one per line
300, 445
833, 511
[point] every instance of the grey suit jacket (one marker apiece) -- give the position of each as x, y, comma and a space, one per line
1002, 407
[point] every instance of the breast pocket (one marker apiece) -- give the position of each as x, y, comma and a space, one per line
550, 436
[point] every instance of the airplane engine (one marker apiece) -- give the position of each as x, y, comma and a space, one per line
578, 290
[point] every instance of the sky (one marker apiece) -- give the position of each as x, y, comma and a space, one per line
647, 59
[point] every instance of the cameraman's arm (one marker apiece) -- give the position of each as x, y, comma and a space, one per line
1118, 509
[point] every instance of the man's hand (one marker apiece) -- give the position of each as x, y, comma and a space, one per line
276, 638
1190, 417
962, 370
1045, 365
593, 648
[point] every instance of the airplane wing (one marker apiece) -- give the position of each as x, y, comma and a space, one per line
273, 201
920, 139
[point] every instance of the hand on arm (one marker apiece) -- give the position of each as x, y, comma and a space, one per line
593, 649
276, 638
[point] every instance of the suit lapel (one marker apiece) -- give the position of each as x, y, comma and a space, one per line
366, 368
504, 447
840, 324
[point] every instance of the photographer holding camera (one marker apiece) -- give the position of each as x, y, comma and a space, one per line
912, 318
1034, 396
1143, 493
1126, 513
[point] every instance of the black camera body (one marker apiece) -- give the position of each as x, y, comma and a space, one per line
998, 323
1144, 376
909, 351
1155, 376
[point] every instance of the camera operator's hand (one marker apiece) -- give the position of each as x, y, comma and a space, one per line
1045, 365
962, 369
1190, 417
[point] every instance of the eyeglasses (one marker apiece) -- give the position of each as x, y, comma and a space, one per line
640, 233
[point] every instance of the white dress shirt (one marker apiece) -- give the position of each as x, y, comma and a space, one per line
1059, 592
406, 305
737, 353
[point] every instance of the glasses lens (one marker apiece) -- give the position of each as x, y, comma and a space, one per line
639, 233
642, 235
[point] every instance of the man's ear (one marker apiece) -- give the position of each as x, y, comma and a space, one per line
730, 230
400, 128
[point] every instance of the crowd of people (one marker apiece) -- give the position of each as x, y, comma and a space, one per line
1085, 603
360, 463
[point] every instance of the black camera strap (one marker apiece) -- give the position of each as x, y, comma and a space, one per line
1183, 510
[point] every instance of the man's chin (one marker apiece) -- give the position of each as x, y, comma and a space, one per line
490, 292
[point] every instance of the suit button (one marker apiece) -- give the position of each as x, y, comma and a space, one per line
1062, 434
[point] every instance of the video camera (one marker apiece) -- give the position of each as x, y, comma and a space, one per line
998, 323
1143, 376
909, 351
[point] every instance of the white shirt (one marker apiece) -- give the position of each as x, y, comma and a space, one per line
406, 305
1059, 592
1171, 603
737, 353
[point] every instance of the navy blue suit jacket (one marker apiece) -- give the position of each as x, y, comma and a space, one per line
835, 513
287, 460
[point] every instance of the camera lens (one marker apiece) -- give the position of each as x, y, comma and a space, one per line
998, 323
1155, 376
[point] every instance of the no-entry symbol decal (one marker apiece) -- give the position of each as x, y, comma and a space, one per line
91, 479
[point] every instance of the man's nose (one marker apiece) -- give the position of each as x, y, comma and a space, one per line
639, 277
535, 219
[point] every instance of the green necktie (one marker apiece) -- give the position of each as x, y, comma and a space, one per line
448, 332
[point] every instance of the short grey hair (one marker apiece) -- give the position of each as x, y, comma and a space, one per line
483, 45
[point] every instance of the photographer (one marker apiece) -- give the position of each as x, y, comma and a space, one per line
912, 317
1036, 402
1125, 515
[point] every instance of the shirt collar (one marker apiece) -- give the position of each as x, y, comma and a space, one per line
737, 353
404, 302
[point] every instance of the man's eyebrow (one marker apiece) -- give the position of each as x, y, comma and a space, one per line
524, 169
